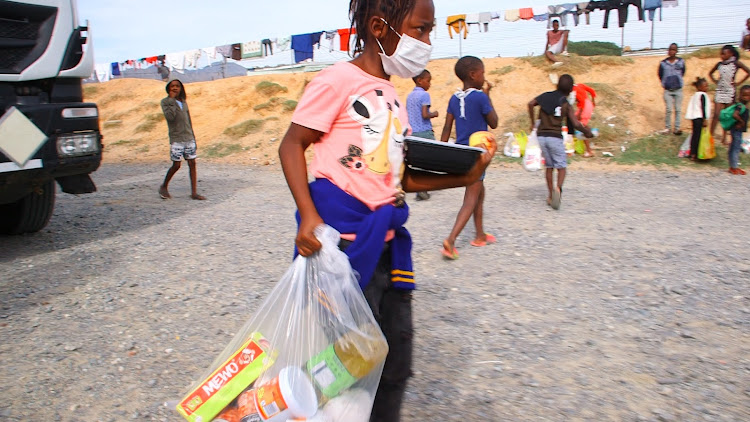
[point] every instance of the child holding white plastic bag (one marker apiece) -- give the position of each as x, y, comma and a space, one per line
352, 116
553, 108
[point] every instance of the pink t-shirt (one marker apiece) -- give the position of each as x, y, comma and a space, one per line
363, 124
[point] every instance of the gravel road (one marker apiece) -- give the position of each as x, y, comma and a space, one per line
631, 303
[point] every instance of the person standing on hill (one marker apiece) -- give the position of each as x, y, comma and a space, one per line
671, 72
585, 109
181, 137
557, 43
745, 40
725, 85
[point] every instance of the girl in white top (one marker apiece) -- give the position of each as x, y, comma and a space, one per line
698, 111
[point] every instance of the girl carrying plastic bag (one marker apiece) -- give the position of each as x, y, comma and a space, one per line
311, 351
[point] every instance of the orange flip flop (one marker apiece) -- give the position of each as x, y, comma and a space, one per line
490, 239
450, 255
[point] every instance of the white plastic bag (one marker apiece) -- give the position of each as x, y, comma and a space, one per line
532, 159
313, 349
685, 148
511, 148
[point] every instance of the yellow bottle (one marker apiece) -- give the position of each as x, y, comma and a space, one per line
351, 357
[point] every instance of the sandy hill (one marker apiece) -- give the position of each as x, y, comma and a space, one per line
242, 119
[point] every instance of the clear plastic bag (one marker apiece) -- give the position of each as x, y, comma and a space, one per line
317, 351
532, 159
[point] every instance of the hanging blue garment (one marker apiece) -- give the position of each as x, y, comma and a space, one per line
651, 6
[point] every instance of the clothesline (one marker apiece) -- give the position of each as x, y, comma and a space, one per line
302, 46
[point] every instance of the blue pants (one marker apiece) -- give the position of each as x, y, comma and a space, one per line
734, 149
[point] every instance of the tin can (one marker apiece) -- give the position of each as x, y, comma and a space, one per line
229, 414
247, 410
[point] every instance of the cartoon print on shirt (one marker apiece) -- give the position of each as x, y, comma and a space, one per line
354, 160
382, 136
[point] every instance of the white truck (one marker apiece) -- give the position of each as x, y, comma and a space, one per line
47, 133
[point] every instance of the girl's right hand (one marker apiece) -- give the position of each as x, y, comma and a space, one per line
306, 242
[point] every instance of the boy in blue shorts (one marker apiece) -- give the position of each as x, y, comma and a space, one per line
472, 110
553, 108
418, 107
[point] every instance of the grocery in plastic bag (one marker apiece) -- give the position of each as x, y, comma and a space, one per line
312, 351
532, 159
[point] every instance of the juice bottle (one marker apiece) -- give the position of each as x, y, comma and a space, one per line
351, 357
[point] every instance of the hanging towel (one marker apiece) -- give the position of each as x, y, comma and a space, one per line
191, 58
484, 19
302, 45
175, 61
461, 95
103, 71
251, 49
669, 3
526, 13
512, 15
457, 23
345, 37
225, 50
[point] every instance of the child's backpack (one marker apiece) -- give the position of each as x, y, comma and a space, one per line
726, 116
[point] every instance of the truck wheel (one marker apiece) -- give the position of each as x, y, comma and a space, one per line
30, 213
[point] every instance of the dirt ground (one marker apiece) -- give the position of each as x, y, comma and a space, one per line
631, 303
629, 99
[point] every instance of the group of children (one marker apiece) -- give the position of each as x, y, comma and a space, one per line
671, 71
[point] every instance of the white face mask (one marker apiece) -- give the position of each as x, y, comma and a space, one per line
409, 59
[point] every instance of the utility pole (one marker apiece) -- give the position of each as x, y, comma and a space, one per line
687, 21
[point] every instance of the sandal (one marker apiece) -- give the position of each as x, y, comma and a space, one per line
451, 254
556, 197
198, 197
488, 239
164, 193
588, 154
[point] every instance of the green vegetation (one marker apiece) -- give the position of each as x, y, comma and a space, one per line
502, 71
151, 120
704, 53
662, 150
610, 60
243, 129
269, 88
289, 105
221, 150
594, 48
124, 142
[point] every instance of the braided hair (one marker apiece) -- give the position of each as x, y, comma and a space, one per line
360, 12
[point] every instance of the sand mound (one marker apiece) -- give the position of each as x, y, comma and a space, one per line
242, 119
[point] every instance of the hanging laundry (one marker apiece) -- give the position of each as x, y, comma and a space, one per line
225, 50
526, 13
622, 11
266, 44
175, 61
103, 71
191, 58
583, 8
496, 15
152, 59
561, 11
512, 15
484, 19
344, 36
251, 49
669, 3
302, 45
473, 19
457, 23
330, 37
236, 51
209, 53
283, 43
541, 18
651, 6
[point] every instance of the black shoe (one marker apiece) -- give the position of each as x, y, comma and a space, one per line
421, 196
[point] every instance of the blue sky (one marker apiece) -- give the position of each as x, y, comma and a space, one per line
139, 28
